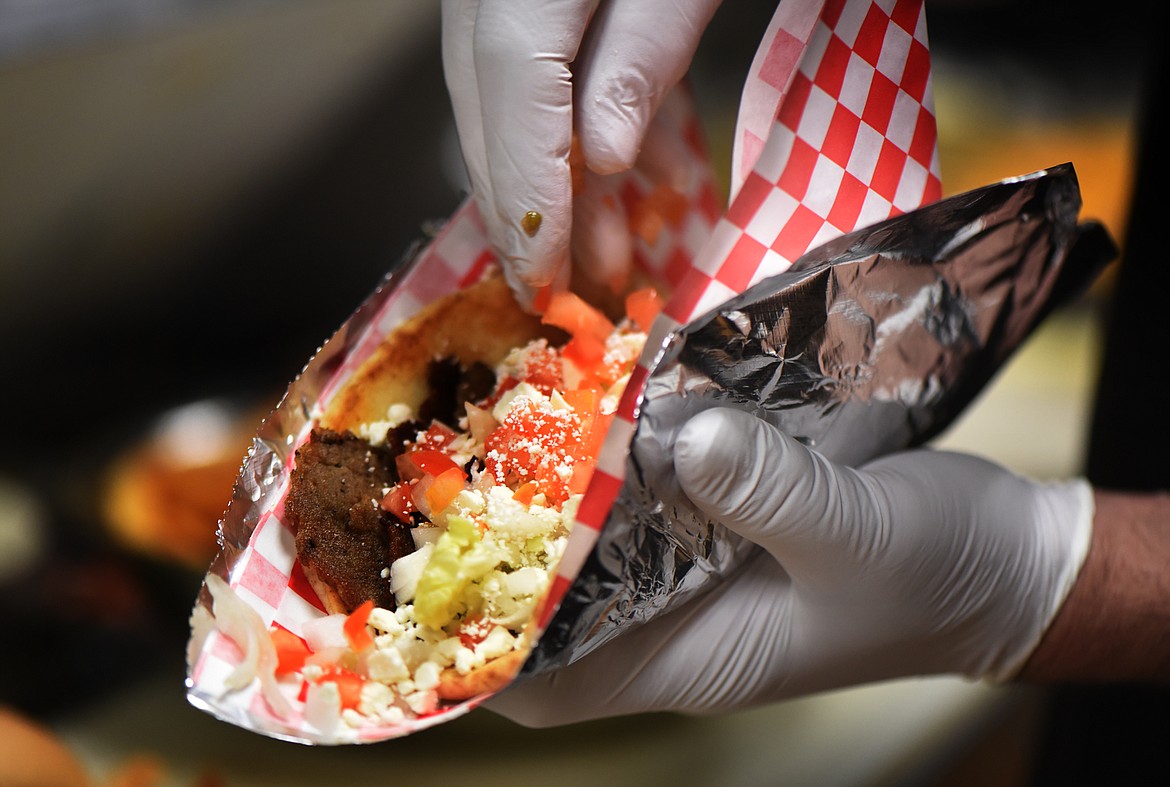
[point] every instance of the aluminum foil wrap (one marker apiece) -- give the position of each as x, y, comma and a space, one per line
869, 344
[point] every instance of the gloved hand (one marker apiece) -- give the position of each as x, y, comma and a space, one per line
923, 562
525, 76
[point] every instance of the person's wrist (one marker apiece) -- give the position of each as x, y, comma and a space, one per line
1114, 625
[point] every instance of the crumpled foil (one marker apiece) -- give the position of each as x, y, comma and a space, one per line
869, 344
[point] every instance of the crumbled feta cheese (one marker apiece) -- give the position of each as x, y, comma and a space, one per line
498, 642
466, 660
527, 581
374, 432
470, 502
448, 649
384, 620
422, 701
386, 665
427, 675
414, 651
392, 715
514, 395
375, 697
569, 508
508, 518
624, 347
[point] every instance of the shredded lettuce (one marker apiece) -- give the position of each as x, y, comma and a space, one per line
459, 558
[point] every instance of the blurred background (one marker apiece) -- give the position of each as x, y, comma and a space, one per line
194, 194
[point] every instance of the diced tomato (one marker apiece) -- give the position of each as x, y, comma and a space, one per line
355, 629
572, 314
291, 651
593, 433
434, 439
531, 445
670, 203
586, 353
542, 369
541, 299
646, 223
579, 480
524, 493
407, 470
583, 400
418, 495
433, 462
349, 685
398, 502
502, 387
436, 436
445, 487
652, 213
642, 306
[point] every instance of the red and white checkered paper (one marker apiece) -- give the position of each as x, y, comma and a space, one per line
836, 131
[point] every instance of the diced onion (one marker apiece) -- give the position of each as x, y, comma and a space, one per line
406, 571
424, 535
240, 623
325, 633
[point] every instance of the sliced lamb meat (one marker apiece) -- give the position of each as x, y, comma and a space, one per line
343, 538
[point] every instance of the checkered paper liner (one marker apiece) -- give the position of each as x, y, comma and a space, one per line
836, 130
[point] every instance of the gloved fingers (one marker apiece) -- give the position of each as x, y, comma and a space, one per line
602, 245
634, 53
522, 50
603, 238
722, 650
459, 70
818, 519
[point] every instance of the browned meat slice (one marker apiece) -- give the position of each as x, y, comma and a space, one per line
450, 385
344, 540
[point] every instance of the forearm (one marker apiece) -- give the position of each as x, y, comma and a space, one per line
1115, 624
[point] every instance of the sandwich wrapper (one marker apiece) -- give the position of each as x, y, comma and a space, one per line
872, 341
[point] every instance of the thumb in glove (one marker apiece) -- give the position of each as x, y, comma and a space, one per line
917, 563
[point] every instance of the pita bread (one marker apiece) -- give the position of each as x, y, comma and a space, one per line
481, 323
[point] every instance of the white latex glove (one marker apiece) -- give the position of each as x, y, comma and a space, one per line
919, 563
525, 76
